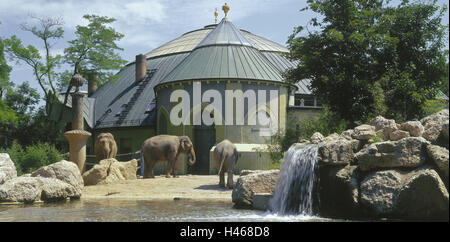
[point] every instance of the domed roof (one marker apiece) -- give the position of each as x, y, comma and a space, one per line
215, 51
225, 53
188, 41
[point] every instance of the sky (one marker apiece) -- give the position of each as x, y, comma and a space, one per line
148, 24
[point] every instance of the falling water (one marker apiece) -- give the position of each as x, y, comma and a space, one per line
295, 187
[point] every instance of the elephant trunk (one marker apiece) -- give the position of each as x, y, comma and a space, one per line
191, 157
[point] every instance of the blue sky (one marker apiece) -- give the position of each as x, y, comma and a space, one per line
148, 24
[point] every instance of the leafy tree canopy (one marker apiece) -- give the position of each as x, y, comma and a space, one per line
367, 57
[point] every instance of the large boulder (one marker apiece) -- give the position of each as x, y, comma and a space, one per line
338, 151
415, 128
21, 189
7, 168
54, 189
398, 135
433, 126
338, 191
420, 194
364, 132
110, 171
386, 126
65, 171
31, 189
248, 185
405, 153
439, 155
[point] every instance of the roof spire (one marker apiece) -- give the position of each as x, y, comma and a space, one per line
215, 16
225, 9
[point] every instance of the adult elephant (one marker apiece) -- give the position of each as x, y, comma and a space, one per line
165, 148
225, 156
105, 146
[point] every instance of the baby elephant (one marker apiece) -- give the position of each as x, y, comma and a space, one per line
226, 157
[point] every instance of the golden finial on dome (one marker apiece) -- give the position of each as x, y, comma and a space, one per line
215, 15
225, 9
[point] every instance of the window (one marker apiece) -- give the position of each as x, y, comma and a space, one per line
104, 116
151, 106
304, 100
122, 108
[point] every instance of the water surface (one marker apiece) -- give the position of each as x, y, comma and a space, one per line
113, 210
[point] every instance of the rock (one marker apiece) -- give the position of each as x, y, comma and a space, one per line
445, 130
398, 135
21, 189
379, 191
247, 172
433, 125
406, 153
110, 171
338, 191
347, 134
261, 201
338, 151
7, 168
316, 138
55, 190
129, 169
248, 185
439, 155
409, 195
415, 128
387, 126
364, 132
65, 171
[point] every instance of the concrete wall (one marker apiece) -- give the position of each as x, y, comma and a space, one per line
251, 157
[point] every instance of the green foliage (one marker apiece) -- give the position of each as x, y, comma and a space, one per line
43, 67
433, 106
5, 69
32, 157
326, 123
376, 138
94, 49
369, 58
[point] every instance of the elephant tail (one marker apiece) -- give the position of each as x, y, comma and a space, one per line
142, 162
221, 163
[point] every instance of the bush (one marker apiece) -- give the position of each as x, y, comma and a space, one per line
33, 157
326, 123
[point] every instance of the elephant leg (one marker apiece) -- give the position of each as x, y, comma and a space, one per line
230, 172
148, 169
222, 176
169, 167
174, 169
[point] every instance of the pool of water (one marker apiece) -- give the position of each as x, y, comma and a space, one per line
140, 211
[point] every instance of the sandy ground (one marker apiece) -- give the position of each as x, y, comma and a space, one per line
188, 187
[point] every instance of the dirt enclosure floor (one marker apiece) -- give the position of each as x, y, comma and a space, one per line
184, 187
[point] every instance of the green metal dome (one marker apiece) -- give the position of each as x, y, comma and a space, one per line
225, 53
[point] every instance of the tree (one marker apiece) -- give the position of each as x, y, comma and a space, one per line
93, 51
367, 58
23, 99
44, 68
5, 69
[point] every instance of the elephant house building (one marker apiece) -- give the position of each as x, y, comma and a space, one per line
217, 59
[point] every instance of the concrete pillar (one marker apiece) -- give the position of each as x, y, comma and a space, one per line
78, 136
77, 147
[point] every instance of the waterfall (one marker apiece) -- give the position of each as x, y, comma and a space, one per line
295, 187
